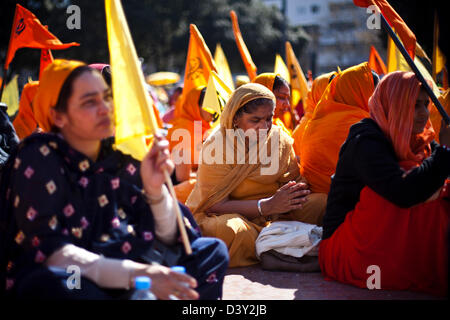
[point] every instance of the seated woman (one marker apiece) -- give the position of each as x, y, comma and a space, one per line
388, 205
343, 104
183, 139
74, 200
314, 94
282, 116
238, 191
24, 122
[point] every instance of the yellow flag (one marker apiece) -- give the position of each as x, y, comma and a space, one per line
438, 58
281, 68
11, 96
216, 96
133, 111
297, 77
222, 66
396, 62
199, 63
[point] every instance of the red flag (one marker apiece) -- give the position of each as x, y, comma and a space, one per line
27, 31
375, 62
395, 21
46, 59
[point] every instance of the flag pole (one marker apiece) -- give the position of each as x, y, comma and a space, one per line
181, 226
3, 83
414, 68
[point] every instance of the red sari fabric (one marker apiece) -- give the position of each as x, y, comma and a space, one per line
408, 245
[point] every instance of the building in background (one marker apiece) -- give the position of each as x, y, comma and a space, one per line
338, 31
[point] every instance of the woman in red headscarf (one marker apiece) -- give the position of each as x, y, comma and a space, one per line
387, 211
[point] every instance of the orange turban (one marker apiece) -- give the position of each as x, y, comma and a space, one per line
51, 82
344, 103
392, 107
314, 94
25, 123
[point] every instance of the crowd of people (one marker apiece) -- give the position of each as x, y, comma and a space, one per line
363, 161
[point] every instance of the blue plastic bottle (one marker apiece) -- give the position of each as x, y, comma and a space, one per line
179, 269
142, 289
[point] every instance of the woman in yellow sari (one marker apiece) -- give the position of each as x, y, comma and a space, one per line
234, 200
280, 87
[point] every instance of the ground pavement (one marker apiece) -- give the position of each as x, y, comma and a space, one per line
253, 283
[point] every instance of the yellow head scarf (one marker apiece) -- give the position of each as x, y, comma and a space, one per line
266, 79
241, 96
50, 85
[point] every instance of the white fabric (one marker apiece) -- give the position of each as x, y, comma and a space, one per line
292, 238
105, 272
165, 218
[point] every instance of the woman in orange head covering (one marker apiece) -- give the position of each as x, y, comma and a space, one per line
282, 92
388, 205
73, 199
189, 129
344, 102
25, 123
314, 94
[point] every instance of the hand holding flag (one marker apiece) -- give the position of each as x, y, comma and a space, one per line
132, 104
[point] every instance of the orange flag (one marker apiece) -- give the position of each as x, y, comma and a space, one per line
246, 58
376, 63
27, 31
199, 63
46, 59
395, 21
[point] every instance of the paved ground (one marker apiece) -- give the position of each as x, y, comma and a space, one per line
253, 283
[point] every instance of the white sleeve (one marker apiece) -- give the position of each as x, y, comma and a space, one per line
105, 272
165, 218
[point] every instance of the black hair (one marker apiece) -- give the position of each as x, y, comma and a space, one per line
279, 82
201, 97
66, 89
332, 77
376, 79
106, 73
251, 106
178, 89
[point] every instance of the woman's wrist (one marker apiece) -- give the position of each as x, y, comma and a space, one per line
264, 205
154, 196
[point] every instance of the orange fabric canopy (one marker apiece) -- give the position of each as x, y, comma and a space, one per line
344, 103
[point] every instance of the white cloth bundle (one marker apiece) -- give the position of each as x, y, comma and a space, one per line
292, 238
